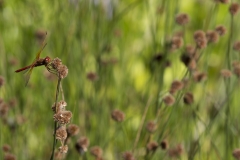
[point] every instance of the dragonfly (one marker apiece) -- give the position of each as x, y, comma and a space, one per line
37, 62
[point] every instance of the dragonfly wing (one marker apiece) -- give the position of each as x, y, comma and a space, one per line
40, 51
43, 46
29, 71
28, 74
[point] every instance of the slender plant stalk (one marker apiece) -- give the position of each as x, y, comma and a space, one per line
126, 10
229, 44
228, 85
179, 97
62, 92
55, 123
141, 124
1, 153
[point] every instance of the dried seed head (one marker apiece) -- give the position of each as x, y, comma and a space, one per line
236, 46
236, 70
201, 43
158, 57
63, 117
199, 34
223, 1
167, 63
235, 63
192, 65
63, 149
56, 67
199, 76
200, 39
176, 86
40, 35
92, 76
82, 145
226, 73
164, 145
56, 62
152, 146
61, 106
212, 36
6, 148
169, 100
128, 156
62, 71
96, 151
2, 81
151, 126
188, 98
9, 156
176, 43
236, 153
221, 30
182, 19
61, 134
13, 61
72, 130
4, 108
175, 152
59, 156
190, 50
117, 115
12, 102
20, 119
1, 100
233, 9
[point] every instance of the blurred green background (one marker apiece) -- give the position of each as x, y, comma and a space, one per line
109, 48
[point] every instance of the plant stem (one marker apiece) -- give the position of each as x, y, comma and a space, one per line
62, 92
55, 123
141, 124
228, 85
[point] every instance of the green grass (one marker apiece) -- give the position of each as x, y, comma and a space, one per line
118, 44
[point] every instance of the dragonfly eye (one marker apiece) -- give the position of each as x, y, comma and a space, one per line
47, 59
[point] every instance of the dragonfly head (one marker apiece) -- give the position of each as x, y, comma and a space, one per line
47, 60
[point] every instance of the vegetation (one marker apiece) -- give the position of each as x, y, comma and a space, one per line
147, 79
